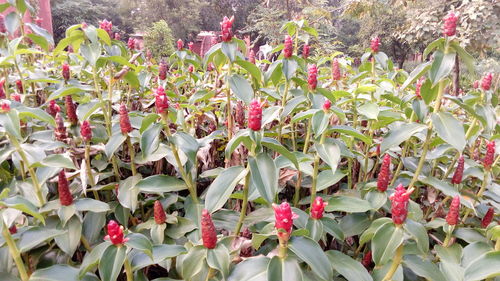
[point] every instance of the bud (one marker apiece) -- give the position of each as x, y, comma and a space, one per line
161, 100
377, 151
13, 229
124, 120
115, 233
486, 82
180, 44
162, 70
490, 155
288, 47
191, 68
457, 177
375, 44
306, 51
60, 130
19, 85
284, 220
335, 70
208, 234
251, 56
453, 213
239, 114
255, 115
131, 43
53, 108
312, 77
226, 27
159, 213
65, 71
476, 84
86, 131
418, 94
385, 174
2, 89
367, 259
5, 107
3, 29
63, 189
118, 36
327, 104
191, 46
450, 24
70, 110
488, 217
318, 208
399, 204
15, 97
107, 26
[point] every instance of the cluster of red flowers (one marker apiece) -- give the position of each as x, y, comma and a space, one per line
312, 77
107, 26
335, 70
306, 51
255, 115
180, 44
161, 100
3, 29
226, 28
318, 208
65, 71
159, 213
457, 176
86, 131
125, 125
486, 82
53, 108
60, 130
490, 155
2, 90
162, 70
191, 46
251, 56
288, 47
132, 43
284, 220
63, 189
208, 233
450, 24
327, 105
385, 174
70, 110
115, 233
418, 94
375, 44
399, 208
454, 212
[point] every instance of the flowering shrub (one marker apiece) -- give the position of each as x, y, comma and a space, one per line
115, 166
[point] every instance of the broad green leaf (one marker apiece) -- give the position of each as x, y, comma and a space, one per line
385, 242
140, 242
229, 49
420, 70
370, 110
57, 272
330, 153
351, 132
423, 268
92, 258
10, 122
111, 262
419, 234
160, 253
251, 269
251, 68
69, 241
319, 122
20, 203
326, 179
128, 191
287, 269
289, 68
219, 259
441, 66
58, 161
400, 134
36, 113
64, 91
114, 143
222, 187
315, 228
351, 269
150, 139
347, 204
36, 236
241, 87
310, 252
449, 129
332, 228
193, 262
264, 175
276, 146
160, 184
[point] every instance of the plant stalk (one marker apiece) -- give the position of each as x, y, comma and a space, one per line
14, 253
395, 264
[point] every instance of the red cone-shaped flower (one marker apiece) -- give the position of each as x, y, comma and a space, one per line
63, 189
191, 68
450, 24
131, 43
486, 82
399, 206
226, 28
367, 259
312, 77
475, 85
191, 46
159, 213
13, 229
490, 155
375, 44
115, 233
162, 70
161, 100
15, 97
459, 172
208, 233
53, 108
125, 126
65, 71
318, 208
19, 85
180, 44
2, 89
306, 51
3, 29
335, 70
255, 115
284, 220
454, 212
488, 217
107, 26
5, 107
86, 131
327, 105
418, 87
70, 110
118, 36
288, 47
384, 175
60, 131
251, 56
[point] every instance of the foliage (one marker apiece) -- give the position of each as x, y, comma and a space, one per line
159, 40
226, 169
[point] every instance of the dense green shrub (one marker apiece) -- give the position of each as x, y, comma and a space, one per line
158, 39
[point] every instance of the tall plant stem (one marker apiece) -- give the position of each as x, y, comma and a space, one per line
315, 171
244, 205
367, 151
89, 171
229, 111
128, 270
283, 103
14, 253
395, 264
479, 193
282, 249
131, 152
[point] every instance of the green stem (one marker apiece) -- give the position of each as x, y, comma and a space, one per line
447, 240
131, 152
128, 270
308, 136
395, 264
367, 150
283, 102
14, 253
296, 195
315, 172
244, 204
229, 111
89, 171
282, 249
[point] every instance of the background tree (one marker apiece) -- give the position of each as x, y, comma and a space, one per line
158, 39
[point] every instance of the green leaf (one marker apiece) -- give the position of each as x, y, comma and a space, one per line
222, 187
289, 68
424, 268
436, 44
160, 253
330, 153
276, 146
315, 228
64, 91
20, 203
332, 228
140, 242
92, 258
57, 272
10, 122
419, 233
449, 129
36, 113
42, 32
150, 139
441, 66
286, 269
386, 240
89, 204
114, 143
69, 241
264, 175
128, 191
326, 179
351, 269
12, 22
219, 259
399, 135
320, 122
420, 70
464, 56
229, 49
251, 269
351, 132
241, 136
310, 252
35, 236
251, 68
347, 204
111, 262
91, 52
193, 262
241, 87
58, 161
485, 266
375, 225
160, 184
429, 92
370, 110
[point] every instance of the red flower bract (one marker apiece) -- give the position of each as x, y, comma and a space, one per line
5, 107
65, 71
385, 174
284, 220
86, 131
335, 70
454, 212
488, 217
399, 207
131, 43
70, 110
475, 85
375, 44
306, 51
3, 29
19, 85
208, 233
53, 108
450, 24
226, 27
418, 94
191, 46
288, 47
312, 77
161, 100
162, 70
255, 115
159, 213
2, 89
367, 259
60, 130
115, 233
251, 56
318, 208
63, 189
180, 44
457, 176
15, 97
125, 125
490, 155
327, 105
486, 82
106, 25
